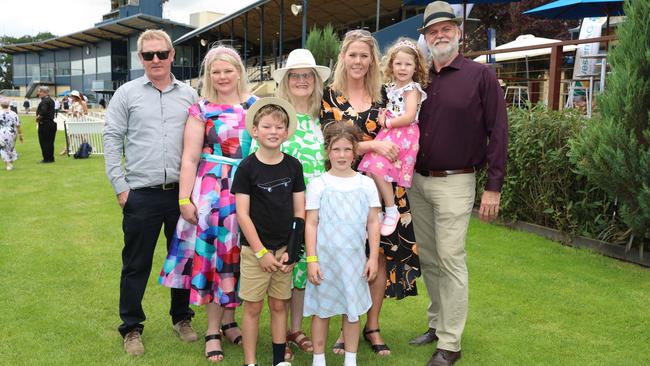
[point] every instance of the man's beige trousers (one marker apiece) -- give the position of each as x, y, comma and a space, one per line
441, 209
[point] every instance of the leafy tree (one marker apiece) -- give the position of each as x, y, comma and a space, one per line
6, 60
324, 45
613, 151
509, 23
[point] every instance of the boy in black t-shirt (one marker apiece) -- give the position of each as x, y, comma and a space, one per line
269, 192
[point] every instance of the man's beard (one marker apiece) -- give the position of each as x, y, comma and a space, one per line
445, 52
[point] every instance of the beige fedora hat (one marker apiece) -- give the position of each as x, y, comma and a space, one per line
288, 108
436, 12
301, 58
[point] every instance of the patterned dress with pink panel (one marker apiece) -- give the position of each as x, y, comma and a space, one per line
407, 138
205, 257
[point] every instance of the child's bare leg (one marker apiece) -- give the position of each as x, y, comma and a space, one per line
214, 313
319, 329
391, 217
250, 324
351, 334
278, 311
297, 305
385, 190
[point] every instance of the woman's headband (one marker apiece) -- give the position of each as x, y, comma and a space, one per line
223, 50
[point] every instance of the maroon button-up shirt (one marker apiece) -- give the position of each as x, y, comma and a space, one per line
463, 121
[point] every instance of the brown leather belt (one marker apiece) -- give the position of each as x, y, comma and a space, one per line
444, 173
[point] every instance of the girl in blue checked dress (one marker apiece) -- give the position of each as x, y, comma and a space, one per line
342, 209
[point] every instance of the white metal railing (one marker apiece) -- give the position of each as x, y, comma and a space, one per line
82, 129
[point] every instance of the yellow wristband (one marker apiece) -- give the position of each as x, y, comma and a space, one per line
184, 201
261, 253
312, 258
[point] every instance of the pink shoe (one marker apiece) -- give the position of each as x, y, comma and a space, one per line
389, 224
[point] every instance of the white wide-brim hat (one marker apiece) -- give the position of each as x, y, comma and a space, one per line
75, 93
301, 58
288, 108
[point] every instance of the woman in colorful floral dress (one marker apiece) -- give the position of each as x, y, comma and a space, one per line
204, 254
355, 96
9, 130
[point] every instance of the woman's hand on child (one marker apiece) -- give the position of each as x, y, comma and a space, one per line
314, 274
269, 263
387, 149
188, 212
370, 270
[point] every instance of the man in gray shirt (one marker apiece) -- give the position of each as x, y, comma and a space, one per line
145, 122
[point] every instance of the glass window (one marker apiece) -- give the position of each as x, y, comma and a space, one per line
89, 66
135, 61
47, 71
63, 68
33, 71
19, 66
104, 64
76, 67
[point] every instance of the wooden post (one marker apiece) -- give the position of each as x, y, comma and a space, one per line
554, 78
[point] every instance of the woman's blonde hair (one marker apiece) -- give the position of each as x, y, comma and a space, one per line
408, 46
315, 98
229, 55
372, 79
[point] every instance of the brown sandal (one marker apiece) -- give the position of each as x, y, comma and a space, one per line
301, 341
288, 352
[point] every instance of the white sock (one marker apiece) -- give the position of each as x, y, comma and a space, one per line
319, 359
350, 359
392, 210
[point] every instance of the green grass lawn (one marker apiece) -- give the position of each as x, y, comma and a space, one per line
532, 301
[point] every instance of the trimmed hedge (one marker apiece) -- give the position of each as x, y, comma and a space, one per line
542, 185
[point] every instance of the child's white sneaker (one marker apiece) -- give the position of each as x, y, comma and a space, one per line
389, 223
284, 363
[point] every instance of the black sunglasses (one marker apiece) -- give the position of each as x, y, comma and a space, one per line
148, 56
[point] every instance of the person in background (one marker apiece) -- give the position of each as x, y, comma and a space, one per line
46, 124
9, 130
144, 124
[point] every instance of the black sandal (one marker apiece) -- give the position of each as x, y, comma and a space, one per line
211, 337
225, 327
376, 348
339, 346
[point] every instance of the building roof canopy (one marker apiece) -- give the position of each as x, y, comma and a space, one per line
319, 13
118, 29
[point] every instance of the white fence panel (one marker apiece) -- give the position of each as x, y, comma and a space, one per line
85, 129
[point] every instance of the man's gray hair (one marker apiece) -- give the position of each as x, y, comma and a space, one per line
44, 88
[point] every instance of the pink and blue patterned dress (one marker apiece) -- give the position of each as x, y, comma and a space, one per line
205, 257
407, 138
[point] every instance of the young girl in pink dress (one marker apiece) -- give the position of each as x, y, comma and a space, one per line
405, 74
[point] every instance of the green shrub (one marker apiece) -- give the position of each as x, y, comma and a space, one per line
541, 185
613, 151
324, 45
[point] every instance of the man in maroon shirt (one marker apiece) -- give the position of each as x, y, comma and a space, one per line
463, 127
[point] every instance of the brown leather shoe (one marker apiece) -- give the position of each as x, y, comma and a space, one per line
442, 357
133, 343
185, 331
428, 337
